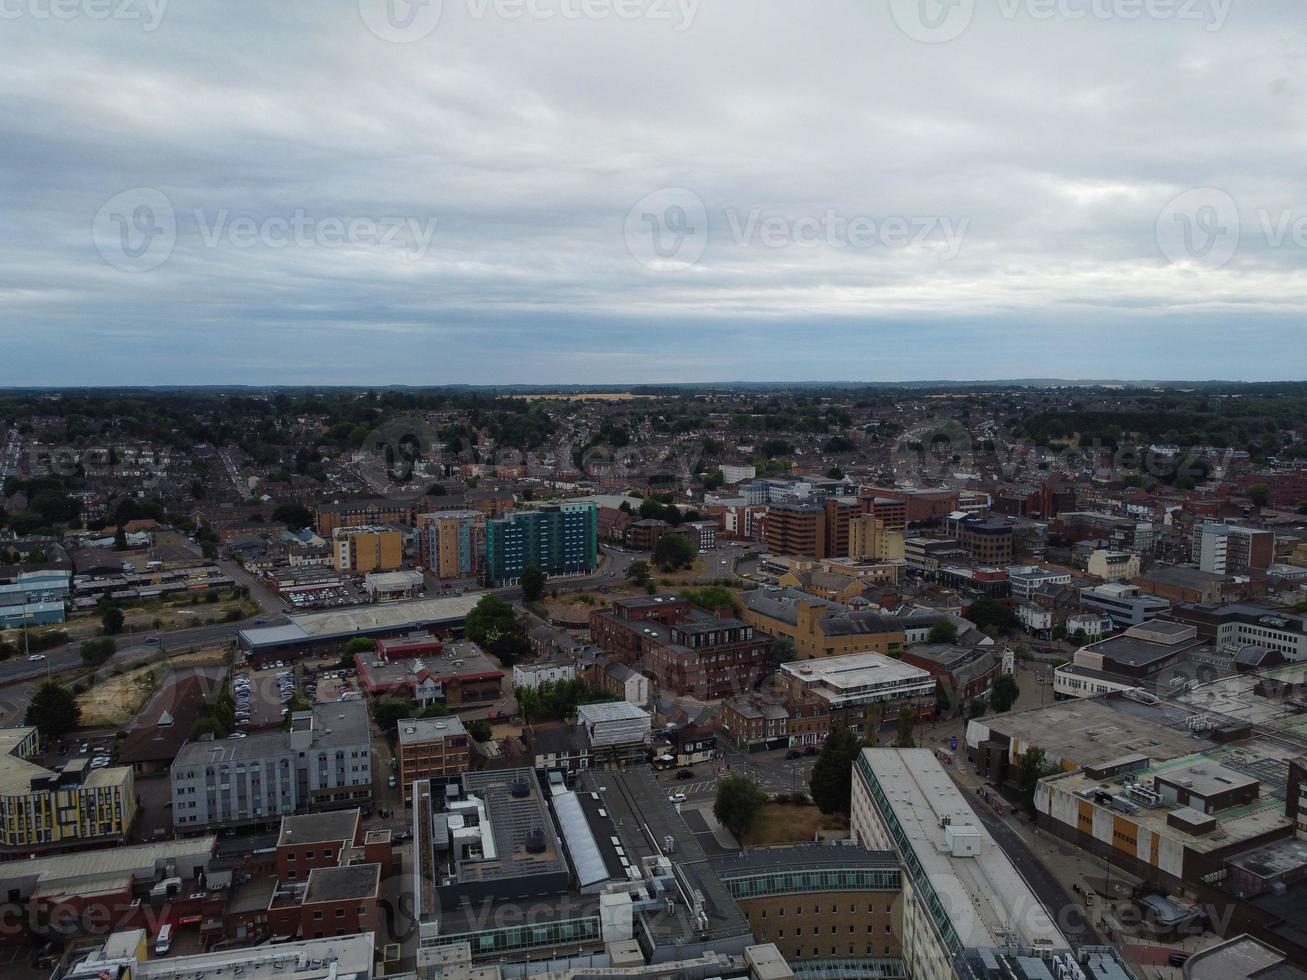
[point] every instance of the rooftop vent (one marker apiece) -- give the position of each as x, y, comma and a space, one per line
535, 842
520, 789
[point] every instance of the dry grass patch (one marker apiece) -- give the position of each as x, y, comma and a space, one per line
789, 823
114, 702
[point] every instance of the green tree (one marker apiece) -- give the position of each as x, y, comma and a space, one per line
903, 739
639, 573
111, 620
493, 625
737, 804
96, 652
295, 516
389, 711
987, 612
1003, 694
533, 583
53, 711
782, 651
674, 551
479, 729
873, 717
1259, 494
710, 597
976, 708
943, 631
1030, 770
831, 783
119, 539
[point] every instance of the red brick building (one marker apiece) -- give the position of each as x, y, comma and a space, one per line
682, 649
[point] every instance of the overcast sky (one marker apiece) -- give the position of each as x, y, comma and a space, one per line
551, 191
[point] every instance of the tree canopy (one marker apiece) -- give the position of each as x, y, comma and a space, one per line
1003, 694
53, 711
943, 631
673, 552
533, 583
831, 783
737, 804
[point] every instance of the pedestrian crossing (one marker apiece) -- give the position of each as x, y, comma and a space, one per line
703, 788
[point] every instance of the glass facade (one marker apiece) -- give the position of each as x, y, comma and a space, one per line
515, 939
815, 880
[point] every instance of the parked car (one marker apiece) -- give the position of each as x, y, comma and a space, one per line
794, 754
685, 774
811, 750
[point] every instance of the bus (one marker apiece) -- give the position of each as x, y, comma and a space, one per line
163, 942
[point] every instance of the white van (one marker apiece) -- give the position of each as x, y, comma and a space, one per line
163, 942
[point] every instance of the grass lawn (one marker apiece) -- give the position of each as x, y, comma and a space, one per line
787, 823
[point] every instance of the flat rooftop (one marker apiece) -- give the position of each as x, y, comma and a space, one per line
992, 902
341, 884
511, 819
362, 620
313, 828
857, 670
1234, 825
413, 731
641, 813
351, 957
459, 658
799, 857
1088, 731
106, 862
1134, 651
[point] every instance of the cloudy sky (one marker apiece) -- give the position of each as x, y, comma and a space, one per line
550, 191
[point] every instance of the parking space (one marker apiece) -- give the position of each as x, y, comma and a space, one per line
334, 685
261, 696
